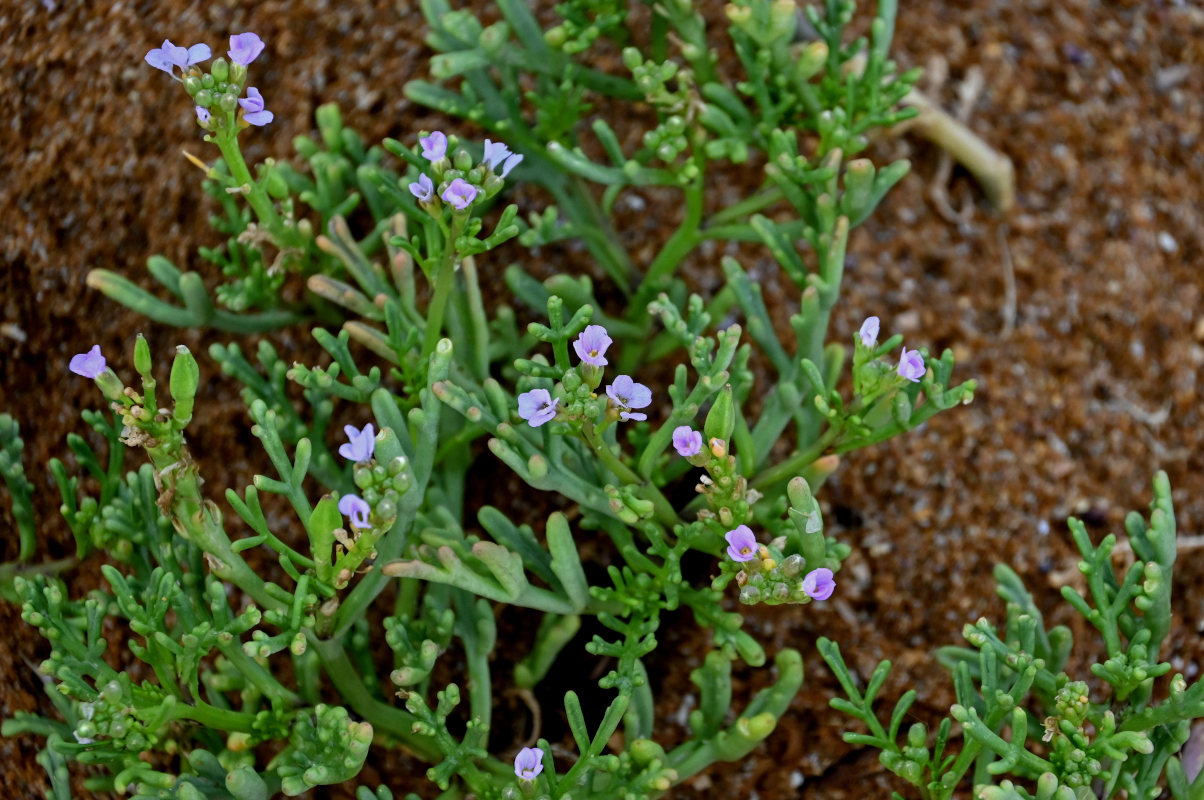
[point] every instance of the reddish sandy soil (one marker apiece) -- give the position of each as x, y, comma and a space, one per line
1093, 387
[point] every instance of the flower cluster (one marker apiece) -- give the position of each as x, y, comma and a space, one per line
359, 448
763, 578
624, 393
911, 362
219, 89
381, 486
458, 192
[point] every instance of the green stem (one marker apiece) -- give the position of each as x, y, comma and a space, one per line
214, 717
256, 675
257, 196
683, 240
445, 279
796, 463
746, 207
665, 513
595, 227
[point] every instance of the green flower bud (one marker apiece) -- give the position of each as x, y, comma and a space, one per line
643, 751
721, 419
192, 85
185, 378
220, 69
362, 477
386, 510
555, 37
142, 356
750, 594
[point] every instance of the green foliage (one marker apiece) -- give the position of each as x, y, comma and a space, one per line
1021, 715
254, 628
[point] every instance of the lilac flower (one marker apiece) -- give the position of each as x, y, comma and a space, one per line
869, 332
495, 154
423, 189
627, 394
459, 194
818, 584
434, 147
537, 406
245, 48
362, 444
741, 544
89, 364
911, 365
202, 115
687, 441
253, 110
512, 161
591, 345
528, 763
353, 507
169, 56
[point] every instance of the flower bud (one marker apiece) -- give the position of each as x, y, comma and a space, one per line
185, 378
192, 85
721, 419
220, 69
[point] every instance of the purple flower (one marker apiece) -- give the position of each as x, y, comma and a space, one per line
591, 345
495, 154
245, 48
528, 763
911, 365
869, 332
818, 584
252, 108
353, 507
423, 189
459, 194
362, 443
434, 147
89, 364
202, 115
741, 544
170, 55
537, 406
512, 161
687, 441
627, 394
